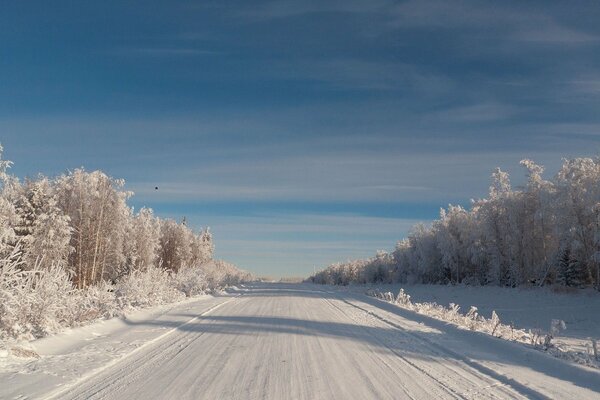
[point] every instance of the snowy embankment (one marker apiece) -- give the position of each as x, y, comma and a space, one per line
565, 325
64, 359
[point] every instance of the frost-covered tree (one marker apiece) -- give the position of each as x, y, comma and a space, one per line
424, 256
8, 214
454, 229
179, 247
537, 219
71, 251
144, 240
493, 231
100, 218
379, 269
49, 242
42, 230
513, 237
578, 195
172, 245
202, 247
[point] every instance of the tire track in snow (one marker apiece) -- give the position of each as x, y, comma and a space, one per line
296, 341
442, 385
73, 386
475, 368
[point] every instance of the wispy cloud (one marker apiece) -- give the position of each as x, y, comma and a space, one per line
548, 30
350, 177
353, 73
478, 113
492, 19
166, 51
289, 8
587, 86
210, 158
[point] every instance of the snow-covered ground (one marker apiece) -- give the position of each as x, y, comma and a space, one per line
68, 357
299, 341
529, 309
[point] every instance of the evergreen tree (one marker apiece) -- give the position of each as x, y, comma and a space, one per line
564, 272
571, 272
579, 274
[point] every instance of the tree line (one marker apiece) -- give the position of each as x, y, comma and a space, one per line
81, 221
546, 232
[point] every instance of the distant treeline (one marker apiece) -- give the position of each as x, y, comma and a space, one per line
547, 232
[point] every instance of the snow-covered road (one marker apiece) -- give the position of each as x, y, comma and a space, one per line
286, 341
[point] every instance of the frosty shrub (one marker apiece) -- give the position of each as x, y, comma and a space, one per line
402, 298
221, 273
472, 318
191, 281
556, 325
146, 288
33, 303
43, 300
494, 322
93, 303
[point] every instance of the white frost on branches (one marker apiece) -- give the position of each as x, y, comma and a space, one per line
547, 232
72, 251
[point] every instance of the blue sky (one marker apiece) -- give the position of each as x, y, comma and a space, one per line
301, 132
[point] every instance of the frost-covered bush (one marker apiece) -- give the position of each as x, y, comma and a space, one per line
403, 298
94, 302
191, 281
41, 301
220, 273
146, 288
33, 303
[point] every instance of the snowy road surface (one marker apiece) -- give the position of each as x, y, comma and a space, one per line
286, 341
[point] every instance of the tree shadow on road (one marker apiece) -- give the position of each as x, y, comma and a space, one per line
433, 341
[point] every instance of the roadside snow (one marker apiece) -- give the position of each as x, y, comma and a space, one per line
532, 310
72, 355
